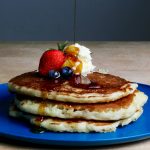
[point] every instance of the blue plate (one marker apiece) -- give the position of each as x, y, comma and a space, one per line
12, 128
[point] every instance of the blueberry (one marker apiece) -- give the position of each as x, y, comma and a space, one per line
54, 74
66, 72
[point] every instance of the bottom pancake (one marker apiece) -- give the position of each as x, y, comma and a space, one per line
72, 125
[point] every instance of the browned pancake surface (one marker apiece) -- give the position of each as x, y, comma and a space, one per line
39, 119
105, 83
118, 104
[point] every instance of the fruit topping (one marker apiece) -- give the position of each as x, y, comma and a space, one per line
72, 50
51, 60
74, 63
76, 57
54, 74
66, 72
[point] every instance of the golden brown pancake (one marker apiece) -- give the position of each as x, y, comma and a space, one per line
103, 88
119, 109
121, 103
72, 125
106, 83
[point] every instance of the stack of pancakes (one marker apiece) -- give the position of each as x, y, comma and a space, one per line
63, 106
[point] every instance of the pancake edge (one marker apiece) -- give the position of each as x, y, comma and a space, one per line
82, 126
53, 110
73, 97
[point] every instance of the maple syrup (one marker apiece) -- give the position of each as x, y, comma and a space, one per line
74, 63
82, 82
41, 109
72, 50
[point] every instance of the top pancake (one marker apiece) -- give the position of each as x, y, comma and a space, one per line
108, 88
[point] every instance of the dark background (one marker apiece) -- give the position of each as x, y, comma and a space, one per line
104, 20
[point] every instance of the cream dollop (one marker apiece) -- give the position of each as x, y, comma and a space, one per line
84, 55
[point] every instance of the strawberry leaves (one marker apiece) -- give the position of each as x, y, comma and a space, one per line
61, 46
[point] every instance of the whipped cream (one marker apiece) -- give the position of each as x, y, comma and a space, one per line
85, 56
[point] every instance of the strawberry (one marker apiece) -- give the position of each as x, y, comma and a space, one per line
51, 60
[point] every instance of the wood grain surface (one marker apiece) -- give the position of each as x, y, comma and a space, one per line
130, 60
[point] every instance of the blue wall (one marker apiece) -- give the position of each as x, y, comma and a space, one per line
54, 20
36, 19
113, 19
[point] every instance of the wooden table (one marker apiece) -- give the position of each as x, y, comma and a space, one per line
130, 60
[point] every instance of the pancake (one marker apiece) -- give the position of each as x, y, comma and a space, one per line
119, 109
62, 125
108, 88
